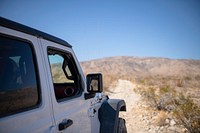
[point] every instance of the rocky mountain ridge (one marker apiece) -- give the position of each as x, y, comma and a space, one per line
138, 69
137, 66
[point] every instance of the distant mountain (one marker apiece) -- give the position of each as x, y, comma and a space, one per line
143, 66
131, 68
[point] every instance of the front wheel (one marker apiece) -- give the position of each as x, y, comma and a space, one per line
121, 126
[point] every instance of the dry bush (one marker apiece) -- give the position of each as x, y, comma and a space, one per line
108, 80
179, 83
161, 118
163, 100
188, 113
197, 77
149, 93
168, 100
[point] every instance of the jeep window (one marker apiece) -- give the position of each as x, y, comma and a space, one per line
18, 83
65, 75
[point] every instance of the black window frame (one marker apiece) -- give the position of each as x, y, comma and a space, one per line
80, 85
39, 103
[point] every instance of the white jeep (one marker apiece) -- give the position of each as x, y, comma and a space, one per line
43, 88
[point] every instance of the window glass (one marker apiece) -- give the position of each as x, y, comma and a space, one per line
57, 71
64, 74
18, 84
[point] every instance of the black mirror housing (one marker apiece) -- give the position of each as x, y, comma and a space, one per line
94, 83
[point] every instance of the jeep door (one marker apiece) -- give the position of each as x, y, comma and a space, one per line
67, 87
24, 101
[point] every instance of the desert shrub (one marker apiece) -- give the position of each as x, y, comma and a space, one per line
179, 83
187, 78
161, 118
108, 80
142, 81
183, 108
149, 93
164, 89
188, 113
162, 100
197, 77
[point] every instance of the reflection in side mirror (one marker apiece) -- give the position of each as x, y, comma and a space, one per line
94, 83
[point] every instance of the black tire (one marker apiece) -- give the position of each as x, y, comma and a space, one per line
121, 126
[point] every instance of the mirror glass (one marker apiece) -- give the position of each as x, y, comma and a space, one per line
94, 83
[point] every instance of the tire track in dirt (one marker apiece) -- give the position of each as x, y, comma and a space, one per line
124, 90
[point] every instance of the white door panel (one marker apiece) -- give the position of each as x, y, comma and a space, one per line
39, 118
75, 108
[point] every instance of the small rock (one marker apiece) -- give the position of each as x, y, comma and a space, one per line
161, 128
184, 130
157, 128
172, 129
155, 113
146, 129
167, 121
172, 122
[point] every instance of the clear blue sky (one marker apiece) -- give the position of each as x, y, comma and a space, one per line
104, 28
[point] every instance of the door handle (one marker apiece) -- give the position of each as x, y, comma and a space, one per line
65, 124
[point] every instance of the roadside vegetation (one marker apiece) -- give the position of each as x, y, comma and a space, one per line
170, 87
177, 96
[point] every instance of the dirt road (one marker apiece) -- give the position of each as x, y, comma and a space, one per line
139, 117
124, 90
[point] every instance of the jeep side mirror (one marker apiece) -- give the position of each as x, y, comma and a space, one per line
94, 83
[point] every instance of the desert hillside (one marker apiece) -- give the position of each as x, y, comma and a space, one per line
162, 95
136, 66
138, 69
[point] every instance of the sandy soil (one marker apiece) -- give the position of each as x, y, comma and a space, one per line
124, 90
139, 117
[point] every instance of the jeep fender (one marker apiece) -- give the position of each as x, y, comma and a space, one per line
109, 115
